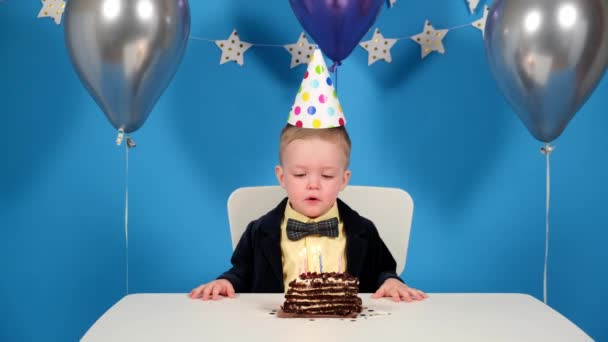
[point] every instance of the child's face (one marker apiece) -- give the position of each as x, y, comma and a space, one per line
313, 172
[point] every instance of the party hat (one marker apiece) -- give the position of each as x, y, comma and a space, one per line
316, 104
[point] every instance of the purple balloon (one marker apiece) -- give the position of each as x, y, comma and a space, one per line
337, 26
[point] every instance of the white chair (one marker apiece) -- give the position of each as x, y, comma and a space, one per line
390, 209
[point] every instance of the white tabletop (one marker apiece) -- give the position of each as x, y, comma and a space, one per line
250, 317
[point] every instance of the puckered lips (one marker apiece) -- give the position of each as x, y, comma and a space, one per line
312, 199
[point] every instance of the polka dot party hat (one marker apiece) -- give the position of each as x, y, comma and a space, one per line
316, 104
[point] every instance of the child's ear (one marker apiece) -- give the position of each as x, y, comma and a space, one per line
278, 171
345, 179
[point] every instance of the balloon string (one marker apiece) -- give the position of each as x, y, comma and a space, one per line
129, 145
127, 217
336, 80
334, 66
546, 150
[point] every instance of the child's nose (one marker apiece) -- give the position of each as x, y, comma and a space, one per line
313, 183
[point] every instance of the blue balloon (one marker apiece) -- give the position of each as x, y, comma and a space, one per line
336, 26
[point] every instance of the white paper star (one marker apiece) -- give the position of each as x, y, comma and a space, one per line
473, 5
391, 3
481, 23
53, 9
430, 39
300, 51
232, 48
378, 48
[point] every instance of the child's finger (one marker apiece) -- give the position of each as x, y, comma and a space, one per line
422, 295
206, 292
379, 293
197, 292
216, 292
419, 295
405, 295
230, 291
416, 294
395, 295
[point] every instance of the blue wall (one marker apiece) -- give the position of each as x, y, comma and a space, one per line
438, 128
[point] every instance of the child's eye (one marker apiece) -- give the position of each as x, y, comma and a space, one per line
299, 175
328, 176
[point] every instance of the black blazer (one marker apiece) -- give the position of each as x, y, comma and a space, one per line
257, 265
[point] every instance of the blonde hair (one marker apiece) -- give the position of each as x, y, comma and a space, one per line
337, 135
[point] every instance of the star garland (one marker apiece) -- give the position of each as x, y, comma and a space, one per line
53, 9
233, 49
378, 48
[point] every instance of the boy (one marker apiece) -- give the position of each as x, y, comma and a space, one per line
313, 170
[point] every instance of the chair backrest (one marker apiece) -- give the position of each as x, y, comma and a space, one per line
390, 209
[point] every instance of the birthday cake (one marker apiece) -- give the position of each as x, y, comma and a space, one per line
325, 294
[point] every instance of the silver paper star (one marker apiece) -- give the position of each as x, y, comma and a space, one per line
473, 5
391, 3
481, 23
233, 49
53, 9
430, 39
378, 48
300, 51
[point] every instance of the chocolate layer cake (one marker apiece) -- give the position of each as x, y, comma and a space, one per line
323, 294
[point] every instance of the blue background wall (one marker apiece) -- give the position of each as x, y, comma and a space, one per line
438, 128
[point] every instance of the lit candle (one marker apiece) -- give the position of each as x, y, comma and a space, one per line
339, 262
300, 263
320, 259
303, 261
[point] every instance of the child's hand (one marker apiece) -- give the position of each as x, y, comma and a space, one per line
214, 289
398, 291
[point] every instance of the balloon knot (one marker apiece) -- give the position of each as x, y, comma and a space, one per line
130, 142
547, 149
333, 67
120, 137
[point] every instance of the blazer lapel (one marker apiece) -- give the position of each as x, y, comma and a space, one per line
356, 244
270, 240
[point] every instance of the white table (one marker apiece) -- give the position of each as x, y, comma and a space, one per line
441, 317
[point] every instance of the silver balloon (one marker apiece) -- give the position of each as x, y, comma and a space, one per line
126, 52
547, 56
